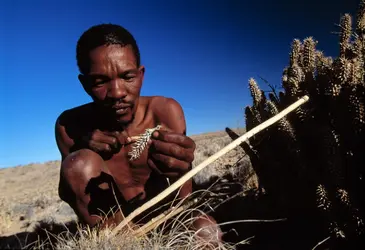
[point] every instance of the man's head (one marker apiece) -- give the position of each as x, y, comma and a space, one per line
110, 72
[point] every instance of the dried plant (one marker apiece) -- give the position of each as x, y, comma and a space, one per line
141, 143
313, 159
174, 232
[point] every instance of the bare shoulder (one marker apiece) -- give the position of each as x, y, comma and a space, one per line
168, 112
70, 126
76, 115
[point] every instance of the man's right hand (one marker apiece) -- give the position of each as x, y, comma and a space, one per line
104, 141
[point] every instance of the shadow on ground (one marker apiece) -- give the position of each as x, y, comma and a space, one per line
44, 231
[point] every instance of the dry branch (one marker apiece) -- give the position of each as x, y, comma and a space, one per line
163, 217
208, 161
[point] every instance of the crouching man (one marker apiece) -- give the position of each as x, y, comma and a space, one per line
94, 139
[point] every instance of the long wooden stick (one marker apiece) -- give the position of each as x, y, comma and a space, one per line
208, 161
158, 220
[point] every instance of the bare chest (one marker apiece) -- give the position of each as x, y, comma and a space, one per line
124, 169
130, 165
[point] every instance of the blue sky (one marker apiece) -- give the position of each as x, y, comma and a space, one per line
198, 53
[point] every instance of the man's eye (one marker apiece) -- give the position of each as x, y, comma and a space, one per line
98, 83
129, 77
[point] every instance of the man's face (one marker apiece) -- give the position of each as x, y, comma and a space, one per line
114, 81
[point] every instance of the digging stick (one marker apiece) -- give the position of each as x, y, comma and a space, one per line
208, 161
158, 220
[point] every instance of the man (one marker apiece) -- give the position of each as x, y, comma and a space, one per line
94, 139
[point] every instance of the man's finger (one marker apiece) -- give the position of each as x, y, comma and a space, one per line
154, 168
104, 138
102, 147
123, 137
172, 150
172, 137
169, 164
133, 138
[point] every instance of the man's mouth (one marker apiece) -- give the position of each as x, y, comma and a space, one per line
121, 111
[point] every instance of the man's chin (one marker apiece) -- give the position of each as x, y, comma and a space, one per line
124, 120
121, 119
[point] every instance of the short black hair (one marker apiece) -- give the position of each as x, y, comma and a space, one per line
103, 34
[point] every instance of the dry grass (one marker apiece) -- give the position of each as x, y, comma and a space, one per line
176, 233
235, 163
29, 194
181, 236
29, 203
5, 221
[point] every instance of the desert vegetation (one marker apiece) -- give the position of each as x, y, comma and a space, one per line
297, 184
312, 161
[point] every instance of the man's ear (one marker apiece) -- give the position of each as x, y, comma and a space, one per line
84, 84
142, 69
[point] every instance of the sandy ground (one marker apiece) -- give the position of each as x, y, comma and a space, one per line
29, 193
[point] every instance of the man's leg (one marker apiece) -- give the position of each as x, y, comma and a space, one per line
207, 229
87, 186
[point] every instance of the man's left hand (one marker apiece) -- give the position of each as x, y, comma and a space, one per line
171, 154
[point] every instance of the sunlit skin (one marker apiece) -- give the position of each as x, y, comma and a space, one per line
94, 140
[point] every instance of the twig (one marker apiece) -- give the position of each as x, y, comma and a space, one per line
158, 220
207, 162
321, 242
272, 87
251, 221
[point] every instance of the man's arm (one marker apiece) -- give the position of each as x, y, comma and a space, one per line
74, 130
171, 115
64, 142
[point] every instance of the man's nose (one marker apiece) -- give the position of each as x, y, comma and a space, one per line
117, 89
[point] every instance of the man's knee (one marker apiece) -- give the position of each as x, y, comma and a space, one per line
77, 169
81, 162
207, 229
